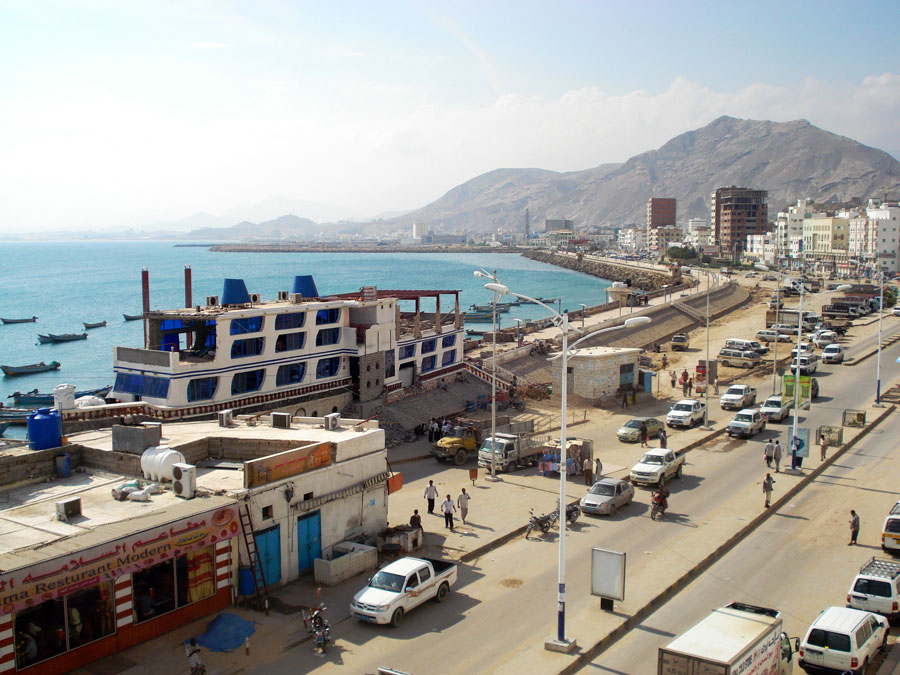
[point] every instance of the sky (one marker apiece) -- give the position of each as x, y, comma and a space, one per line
117, 114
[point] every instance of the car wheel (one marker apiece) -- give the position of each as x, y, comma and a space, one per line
884, 642
679, 471
612, 510
397, 617
460, 458
442, 592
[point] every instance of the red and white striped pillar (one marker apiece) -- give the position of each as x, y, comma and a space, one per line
124, 601
223, 564
7, 644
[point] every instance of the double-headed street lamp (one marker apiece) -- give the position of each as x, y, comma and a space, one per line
878, 361
561, 321
779, 292
484, 274
707, 373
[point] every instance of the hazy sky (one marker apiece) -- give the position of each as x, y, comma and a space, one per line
124, 112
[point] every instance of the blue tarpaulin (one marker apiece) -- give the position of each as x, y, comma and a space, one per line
225, 633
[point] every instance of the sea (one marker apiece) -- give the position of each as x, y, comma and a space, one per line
66, 283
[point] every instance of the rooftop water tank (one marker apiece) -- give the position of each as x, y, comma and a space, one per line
44, 429
64, 396
157, 462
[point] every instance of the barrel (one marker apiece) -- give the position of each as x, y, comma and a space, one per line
44, 430
246, 582
64, 465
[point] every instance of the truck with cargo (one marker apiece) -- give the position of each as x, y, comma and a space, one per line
507, 452
459, 445
738, 638
790, 317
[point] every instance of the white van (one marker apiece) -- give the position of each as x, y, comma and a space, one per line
842, 639
877, 588
890, 531
746, 345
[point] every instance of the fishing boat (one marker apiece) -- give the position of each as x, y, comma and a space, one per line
477, 316
94, 325
133, 317
34, 399
3, 427
31, 320
477, 333
14, 415
32, 368
67, 337
501, 307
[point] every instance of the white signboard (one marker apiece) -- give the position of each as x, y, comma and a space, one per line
607, 573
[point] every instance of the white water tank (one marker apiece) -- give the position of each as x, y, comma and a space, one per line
64, 397
89, 402
157, 462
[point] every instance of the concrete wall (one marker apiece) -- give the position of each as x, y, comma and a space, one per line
36, 465
592, 375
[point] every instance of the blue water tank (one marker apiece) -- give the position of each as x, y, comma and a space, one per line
63, 465
246, 583
44, 429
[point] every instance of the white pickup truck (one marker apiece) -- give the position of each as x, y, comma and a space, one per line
657, 465
401, 586
738, 397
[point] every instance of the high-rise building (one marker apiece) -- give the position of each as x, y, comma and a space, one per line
737, 212
660, 212
527, 224
555, 224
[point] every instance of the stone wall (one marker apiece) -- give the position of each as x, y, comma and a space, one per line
645, 279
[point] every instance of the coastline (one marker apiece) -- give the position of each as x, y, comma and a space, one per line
303, 248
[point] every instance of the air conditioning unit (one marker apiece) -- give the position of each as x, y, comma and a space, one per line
283, 295
212, 300
226, 417
68, 508
281, 420
184, 480
254, 297
296, 298
332, 421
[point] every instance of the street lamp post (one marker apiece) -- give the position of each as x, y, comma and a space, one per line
583, 308
561, 321
878, 360
778, 293
493, 276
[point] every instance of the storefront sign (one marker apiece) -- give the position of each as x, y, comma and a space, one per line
59, 576
286, 464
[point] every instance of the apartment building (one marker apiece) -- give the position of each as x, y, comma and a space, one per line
737, 212
659, 239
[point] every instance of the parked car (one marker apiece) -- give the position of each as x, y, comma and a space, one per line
895, 310
686, 413
738, 359
890, 531
606, 496
877, 588
785, 328
746, 423
679, 342
824, 338
805, 349
808, 364
770, 335
833, 353
843, 639
769, 277
775, 408
631, 430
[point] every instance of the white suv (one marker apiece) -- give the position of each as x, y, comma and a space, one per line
843, 639
877, 588
685, 413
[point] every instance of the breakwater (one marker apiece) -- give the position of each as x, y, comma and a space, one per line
644, 279
295, 247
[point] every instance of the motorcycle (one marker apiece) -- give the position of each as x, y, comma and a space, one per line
318, 625
658, 509
572, 513
542, 523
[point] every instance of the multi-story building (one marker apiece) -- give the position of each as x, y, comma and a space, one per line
556, 224
699, 234
788, 233
661, 238
826, 240
760, 248
632, 239
737, 212
661, 212
886, 235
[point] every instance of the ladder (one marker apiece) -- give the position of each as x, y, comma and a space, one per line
259, 579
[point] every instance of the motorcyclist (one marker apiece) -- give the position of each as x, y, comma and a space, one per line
661, 497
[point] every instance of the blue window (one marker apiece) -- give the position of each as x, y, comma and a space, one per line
287, 321
170, 324
448, 341
202, 389
290, 373
288, 342
248, 347
328, 367
429, 346
324, 316
142, 385
251, 380
428, 363
252, 324
448, 357
407, 352
328, 336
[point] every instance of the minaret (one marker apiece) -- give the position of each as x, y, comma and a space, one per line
527, 224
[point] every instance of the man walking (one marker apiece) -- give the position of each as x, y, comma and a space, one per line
431, 494
449, 509
768, 487
778, 454
854, 527
598, 468
588, 467
624, 399
684, 386
663, 438
673, 377
823, 446
463, 502
769, 453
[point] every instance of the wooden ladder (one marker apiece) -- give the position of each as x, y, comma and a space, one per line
259, 579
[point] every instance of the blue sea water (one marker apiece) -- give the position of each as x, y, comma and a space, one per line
69, 282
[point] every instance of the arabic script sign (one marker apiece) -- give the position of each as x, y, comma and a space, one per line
286, 464
60, 576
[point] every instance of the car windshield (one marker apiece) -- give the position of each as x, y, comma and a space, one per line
633, 424
774, 402
652, 459
683, 407
735, 390
387, 582
603, 489
892, 525
743, 418
825, 638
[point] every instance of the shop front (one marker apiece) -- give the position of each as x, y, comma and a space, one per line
90, 602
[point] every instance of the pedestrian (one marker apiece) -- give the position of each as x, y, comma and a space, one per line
663, 438
690, 386
462, 500
433, 431
716, 386
644, 434
768, 487
415, 520
769, 453
633, 395
854, 527
446, 429
684, 376
598, 468
684, 386
673, 377
795, 453
588, 467
823, 447
431, 494
449, 509
624, 399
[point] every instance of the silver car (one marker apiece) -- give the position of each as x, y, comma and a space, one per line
606, 496
631, 430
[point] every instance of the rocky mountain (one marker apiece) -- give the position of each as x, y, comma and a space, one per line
791, 160
284, 227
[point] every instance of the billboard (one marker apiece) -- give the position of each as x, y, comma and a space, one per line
787, 387
607, 573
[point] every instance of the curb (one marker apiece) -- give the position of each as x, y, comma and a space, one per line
884, 345
654, 603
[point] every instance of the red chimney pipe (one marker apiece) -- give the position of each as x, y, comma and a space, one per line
188, 296
145, 292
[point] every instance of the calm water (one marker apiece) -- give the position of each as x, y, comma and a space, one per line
67, 283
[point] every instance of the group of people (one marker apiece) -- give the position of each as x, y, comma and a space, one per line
448, 507
538, 348
437, 429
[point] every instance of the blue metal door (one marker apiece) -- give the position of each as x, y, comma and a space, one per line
268, 543
309, 540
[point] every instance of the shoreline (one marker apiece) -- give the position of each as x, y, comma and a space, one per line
300, 248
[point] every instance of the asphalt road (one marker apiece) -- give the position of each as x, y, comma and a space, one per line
504, 607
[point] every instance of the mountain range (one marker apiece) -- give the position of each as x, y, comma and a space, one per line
792, 160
